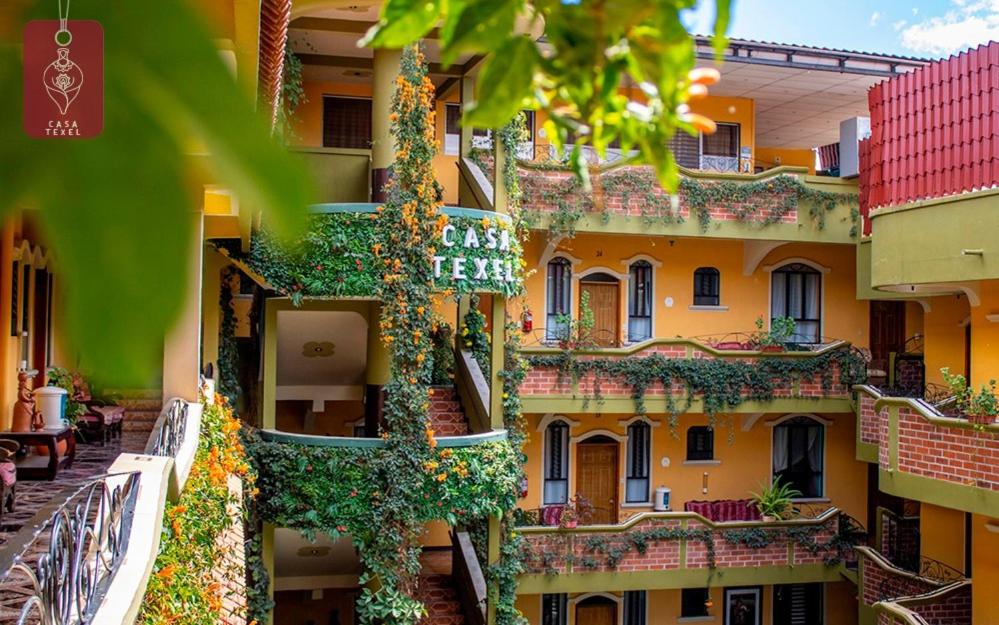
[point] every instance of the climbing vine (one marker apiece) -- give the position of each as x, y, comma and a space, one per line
228, 379
722, 384
475, 338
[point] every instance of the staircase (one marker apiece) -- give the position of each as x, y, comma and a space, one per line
447, 417
438, 594
142, 408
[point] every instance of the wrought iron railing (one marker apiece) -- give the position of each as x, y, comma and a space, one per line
169, 431
933, 573
60, 565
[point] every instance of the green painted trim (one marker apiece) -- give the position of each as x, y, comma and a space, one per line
898, 609
683, 517
369, 207
683, 546
689, 343
268, 417
334, 151
937, 201
496, 360
952, 495
543, 404
867, 452
615, 581
892, 436
267, 556
348, 442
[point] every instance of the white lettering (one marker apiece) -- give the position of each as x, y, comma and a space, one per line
480, 268
471, 239
509, 271
497, 270
504, 240
448, 229
491, 238
458, 268
437, 266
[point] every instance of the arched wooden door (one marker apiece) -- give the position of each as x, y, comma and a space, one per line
596, 611
596, 478
603, 292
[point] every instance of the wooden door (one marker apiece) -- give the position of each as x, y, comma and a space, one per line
596, 480
887, 332
596, 614
606, 309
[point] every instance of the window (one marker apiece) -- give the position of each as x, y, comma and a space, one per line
640, 301
346, 122
798, 604
700, 443
553, 609
724, 141
798, 457
692, 602
686, 150
452, 129
634, 607
707, 287
796, 292
557, 298
556, 463
639, 443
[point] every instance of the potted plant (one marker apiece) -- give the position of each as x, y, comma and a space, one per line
775, 501
776, 338
981, 407
577, 508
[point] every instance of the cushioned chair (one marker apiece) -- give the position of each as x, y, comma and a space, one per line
8, 475
702, 508
551, 515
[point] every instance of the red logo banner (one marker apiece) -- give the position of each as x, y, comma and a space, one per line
63, 79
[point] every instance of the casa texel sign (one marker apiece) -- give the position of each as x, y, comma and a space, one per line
478, 254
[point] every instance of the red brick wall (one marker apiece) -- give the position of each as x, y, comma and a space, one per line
550, 381
664, 554
877, 580
953, 609
544, 188
951, 454
229, 574
871, 422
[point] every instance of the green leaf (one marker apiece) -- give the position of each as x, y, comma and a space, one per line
504, 84
477, 26
402, 22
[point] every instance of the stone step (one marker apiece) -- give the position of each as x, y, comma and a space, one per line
447, 417
441, 600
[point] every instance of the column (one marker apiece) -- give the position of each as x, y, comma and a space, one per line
386, 68
467, 95
377, 373
211, 313
182, 347
497, 329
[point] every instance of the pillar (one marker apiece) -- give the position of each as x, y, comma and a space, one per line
182, 347
467, 96
386, 68
8, 356
267, 556
211, 313
493, 556
499, 188
268, 417
377, 372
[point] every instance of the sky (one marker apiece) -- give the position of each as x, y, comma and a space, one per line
920, 28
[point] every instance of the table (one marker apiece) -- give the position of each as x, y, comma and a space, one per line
35, 467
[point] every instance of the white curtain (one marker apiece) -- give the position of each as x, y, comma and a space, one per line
780, 449
778, 303
796, 285
815, 458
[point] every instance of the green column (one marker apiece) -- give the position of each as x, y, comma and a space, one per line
498, 336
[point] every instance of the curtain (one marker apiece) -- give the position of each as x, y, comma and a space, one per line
778, 300
811, 296
795, 295
780, 449
815, 458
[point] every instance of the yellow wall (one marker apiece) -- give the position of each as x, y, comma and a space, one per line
740, 467
941, 535
768, 158
944, 344
746, 297
985, 336
984, 570
913, 319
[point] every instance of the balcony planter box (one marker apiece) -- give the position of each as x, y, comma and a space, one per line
771, 348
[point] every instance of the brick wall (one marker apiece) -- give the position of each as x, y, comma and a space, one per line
879, 581
662, 555
951, 454
871, 422
550, 381
543, 189
951, 609
229, 574
446, 415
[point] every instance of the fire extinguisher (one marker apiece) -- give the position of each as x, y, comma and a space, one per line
523, 487
526, 321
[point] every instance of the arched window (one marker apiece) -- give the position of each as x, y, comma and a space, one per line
796, 292
556, 488
639, 452
640, 301
799, 455
707, 287
557, 299
700, 443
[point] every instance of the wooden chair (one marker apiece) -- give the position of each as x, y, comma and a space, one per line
8, 475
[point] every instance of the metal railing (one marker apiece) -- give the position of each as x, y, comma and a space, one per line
169, 430
63, 560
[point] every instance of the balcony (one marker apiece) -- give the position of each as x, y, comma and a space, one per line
683, 550
781, 204
923, 454
687, 375
342, 175
934, 594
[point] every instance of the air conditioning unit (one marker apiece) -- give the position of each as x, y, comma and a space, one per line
851, 132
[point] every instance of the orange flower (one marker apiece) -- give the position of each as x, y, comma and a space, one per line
167, 571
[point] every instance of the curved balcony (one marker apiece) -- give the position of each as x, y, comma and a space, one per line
926, 455
933, 593
607, 380
337, 255
682, 550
